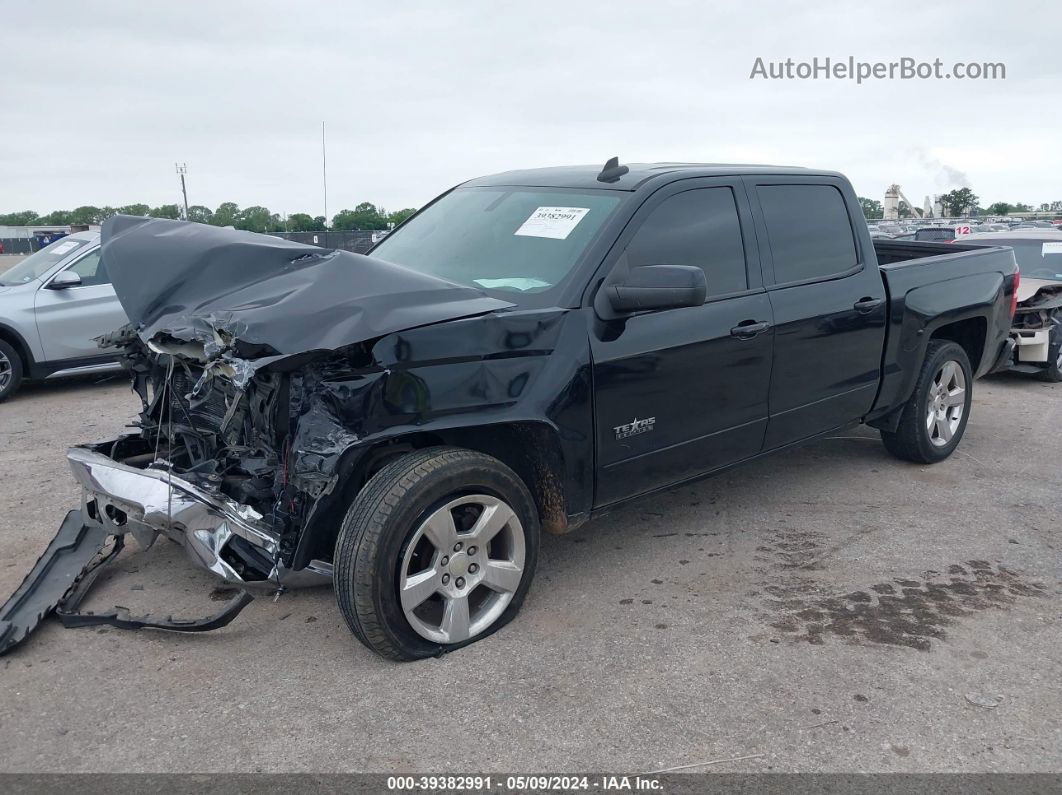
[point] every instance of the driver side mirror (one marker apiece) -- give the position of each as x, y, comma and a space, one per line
64, 280
658, 287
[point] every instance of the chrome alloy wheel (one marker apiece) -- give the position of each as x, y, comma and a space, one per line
461, 568
947, 402
6, 370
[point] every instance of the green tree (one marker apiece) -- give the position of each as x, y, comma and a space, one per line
364, 216
226, 214
256, 219
302, 222
134, 209
86, 215
1021, 207
165, 211
56, 218
871, 208
200, 214
398, 216
959, 202
999, 208
21, 218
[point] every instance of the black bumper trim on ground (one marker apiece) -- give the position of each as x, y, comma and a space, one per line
63, 576
55, 573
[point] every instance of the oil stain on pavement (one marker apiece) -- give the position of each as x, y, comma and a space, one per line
904, 612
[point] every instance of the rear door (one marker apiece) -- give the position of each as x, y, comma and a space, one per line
828, 300
680, 392
69, 320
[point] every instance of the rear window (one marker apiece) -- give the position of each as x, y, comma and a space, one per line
809, 231
941, 233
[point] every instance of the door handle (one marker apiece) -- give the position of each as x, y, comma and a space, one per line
866, 305
748, 329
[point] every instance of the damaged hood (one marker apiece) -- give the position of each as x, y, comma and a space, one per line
213, 293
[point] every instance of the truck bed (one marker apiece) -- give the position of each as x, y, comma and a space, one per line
899, 253
933, 284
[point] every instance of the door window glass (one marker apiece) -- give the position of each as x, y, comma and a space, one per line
699, 228
91, 270
811, 236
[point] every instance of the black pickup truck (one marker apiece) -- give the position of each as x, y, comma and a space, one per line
528, 351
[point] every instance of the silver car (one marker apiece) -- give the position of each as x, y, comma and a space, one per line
53, 305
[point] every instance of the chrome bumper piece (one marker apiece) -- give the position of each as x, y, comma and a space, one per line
152, 501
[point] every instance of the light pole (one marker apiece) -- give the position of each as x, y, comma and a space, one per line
324, 173
182, 169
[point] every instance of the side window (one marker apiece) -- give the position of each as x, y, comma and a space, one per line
811, 236
91, 270
698, 227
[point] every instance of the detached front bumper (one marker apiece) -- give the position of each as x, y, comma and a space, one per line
228, 539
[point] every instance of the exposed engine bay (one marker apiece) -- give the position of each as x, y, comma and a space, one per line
254, 361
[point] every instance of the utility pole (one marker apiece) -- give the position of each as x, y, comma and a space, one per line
324, 172
182, 169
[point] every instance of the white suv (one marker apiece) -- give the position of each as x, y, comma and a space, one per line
53, 305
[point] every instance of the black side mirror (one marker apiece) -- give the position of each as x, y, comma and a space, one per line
659, 287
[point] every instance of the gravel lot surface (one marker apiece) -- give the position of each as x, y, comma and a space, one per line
828, 609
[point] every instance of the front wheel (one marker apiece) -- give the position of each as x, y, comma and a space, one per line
934, 417
10, 370
437, 551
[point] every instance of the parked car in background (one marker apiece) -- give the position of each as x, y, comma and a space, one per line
53, 304
1037, 329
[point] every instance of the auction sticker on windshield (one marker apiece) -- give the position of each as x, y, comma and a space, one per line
553, 222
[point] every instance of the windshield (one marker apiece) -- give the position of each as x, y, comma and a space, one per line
1038, 259
39, 263
512, 240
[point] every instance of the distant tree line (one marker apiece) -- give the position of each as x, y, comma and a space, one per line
957, 203
364, 216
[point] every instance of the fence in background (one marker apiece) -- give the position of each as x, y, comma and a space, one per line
356, 241
19, 245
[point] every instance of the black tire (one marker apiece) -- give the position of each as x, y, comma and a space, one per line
11, 365
1053, 372
913, 440
383, 519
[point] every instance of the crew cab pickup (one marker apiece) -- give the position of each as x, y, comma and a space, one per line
529, 351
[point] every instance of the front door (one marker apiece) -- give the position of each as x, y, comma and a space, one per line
69, 320
681, 392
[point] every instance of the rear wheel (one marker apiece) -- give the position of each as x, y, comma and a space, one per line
10, 370
1053, 371
934, 417
436, 552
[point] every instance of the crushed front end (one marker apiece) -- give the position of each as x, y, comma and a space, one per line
209, 468
252, 358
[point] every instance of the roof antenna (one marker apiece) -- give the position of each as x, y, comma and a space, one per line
612, 171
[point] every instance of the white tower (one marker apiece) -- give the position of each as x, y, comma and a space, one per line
892, 203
